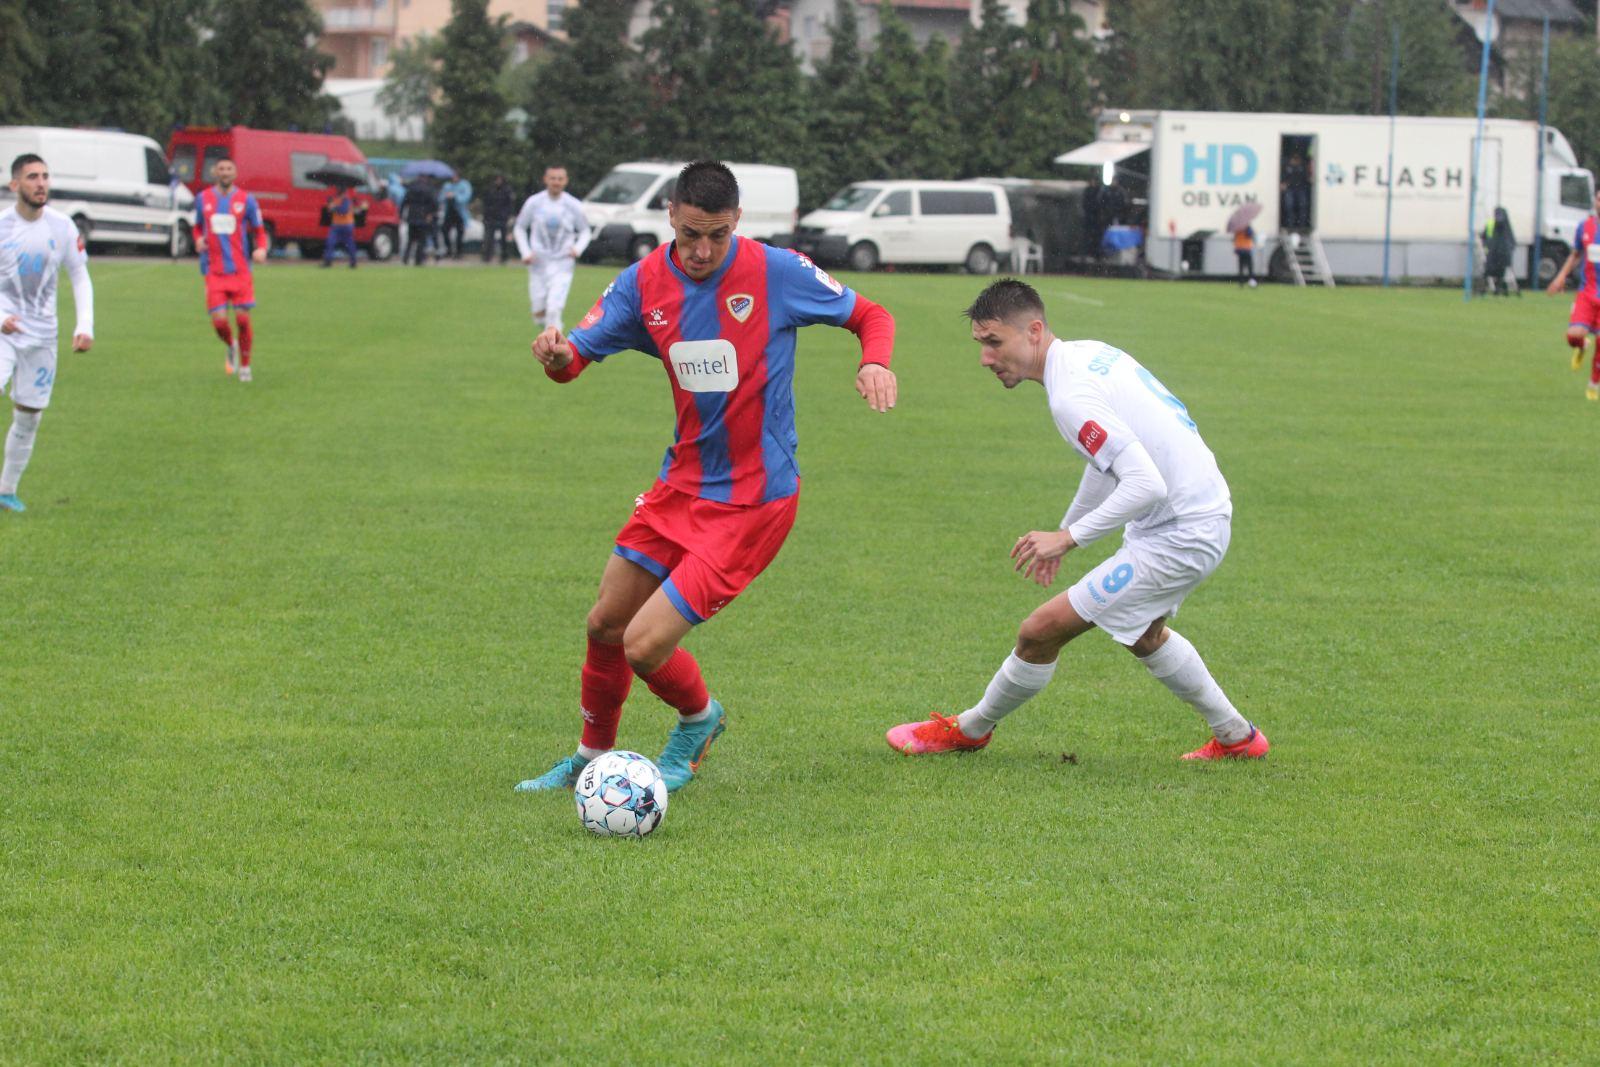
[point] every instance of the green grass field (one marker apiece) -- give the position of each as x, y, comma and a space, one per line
274, 655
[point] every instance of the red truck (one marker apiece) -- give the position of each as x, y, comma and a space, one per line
274, 166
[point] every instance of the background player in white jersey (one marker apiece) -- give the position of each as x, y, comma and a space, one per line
1148, 470
36, 241
551, 234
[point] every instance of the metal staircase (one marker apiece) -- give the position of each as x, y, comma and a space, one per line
1308, 260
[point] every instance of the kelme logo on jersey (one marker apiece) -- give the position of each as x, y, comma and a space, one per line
595, 314
705, 366
740, 305
1091, 437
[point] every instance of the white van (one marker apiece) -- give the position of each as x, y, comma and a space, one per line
115, 186
964, 224
628, 209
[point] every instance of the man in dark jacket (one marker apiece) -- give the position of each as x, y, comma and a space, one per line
499, 204
422, 210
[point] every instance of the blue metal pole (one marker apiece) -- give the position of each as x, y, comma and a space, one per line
1538, 190
1477, 155
1394, 96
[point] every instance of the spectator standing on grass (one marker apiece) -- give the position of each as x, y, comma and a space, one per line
721, 313
422, 208
499, 204
341, 209
1500, 245
457, 194
1149, 474
1244, 246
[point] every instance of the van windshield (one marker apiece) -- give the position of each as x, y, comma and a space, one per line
620, 187
852, 198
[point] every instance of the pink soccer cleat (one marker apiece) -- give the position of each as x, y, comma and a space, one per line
942, 733
1253, 747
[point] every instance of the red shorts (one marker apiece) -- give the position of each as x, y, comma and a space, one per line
224, 289
707, 551
1585, 313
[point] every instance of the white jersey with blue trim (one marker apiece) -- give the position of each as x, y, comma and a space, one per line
31, 256
552, 229
1103, 400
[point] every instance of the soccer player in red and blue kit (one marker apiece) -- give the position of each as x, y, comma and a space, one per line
1584, 321
720, 312
230, 235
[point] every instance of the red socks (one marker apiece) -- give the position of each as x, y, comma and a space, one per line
247, 337
223, 331
606, 679
678, 682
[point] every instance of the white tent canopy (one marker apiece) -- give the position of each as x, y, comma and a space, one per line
1099, 153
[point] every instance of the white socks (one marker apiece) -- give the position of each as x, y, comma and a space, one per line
590, 753
1014, 683
19, 448
1179, 667
700, 716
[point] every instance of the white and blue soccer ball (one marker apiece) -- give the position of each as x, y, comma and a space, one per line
620, 794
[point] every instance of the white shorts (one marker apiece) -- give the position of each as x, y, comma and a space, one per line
1148, 577
549, 282
27, 370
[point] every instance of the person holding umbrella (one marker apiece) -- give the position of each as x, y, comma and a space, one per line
1244, 241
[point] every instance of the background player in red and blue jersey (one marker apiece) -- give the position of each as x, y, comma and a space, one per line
720, 312
230, 235
1584, 322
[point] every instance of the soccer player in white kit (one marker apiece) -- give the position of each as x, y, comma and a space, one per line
36, 241
1149, 471
551, 234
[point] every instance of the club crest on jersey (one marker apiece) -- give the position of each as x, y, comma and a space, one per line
740, 305
1092, 436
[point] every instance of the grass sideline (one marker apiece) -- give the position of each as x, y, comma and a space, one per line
276, 653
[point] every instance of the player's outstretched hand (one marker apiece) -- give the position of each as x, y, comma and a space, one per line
552, 349
877, 386
1555, 287
528, 259
82, 342
259, 255
12, 324
1038, 554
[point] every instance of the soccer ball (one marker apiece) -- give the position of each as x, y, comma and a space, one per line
620, 794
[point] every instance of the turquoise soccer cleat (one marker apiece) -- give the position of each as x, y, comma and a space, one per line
687, 747
564, 775
10, 502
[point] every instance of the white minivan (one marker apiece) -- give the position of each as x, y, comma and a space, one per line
115, 186
628, 208
965, 224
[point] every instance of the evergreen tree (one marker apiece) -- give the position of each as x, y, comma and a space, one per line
595, 65
1434, 80
412, 86
1052, 104
680, 112
837, 112
755, 100
985, 83
1574, 85
896, 140
21, 60
469, 124
265, 71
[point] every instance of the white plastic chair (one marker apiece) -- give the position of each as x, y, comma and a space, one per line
1026, 256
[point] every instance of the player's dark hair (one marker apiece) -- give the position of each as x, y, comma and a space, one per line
1009, 301
22, 161
707, 185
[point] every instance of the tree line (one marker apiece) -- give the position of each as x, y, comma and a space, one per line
711, 78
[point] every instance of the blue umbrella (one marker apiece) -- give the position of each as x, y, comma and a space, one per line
429, 167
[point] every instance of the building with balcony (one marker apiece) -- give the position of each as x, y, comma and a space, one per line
361, 35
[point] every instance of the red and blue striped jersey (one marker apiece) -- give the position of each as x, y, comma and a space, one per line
727, 344
226, 228
1588, 253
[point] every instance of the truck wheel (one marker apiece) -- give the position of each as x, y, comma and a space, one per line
863, 256
1550, 259
383, 244
640, 247
981, 260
